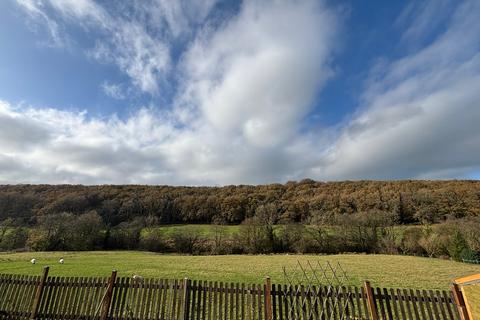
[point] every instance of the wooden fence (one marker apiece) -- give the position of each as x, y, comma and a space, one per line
45, 297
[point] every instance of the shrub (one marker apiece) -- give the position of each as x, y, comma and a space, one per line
458, 247
86, 232
37, 240
255, 237
152, 240
221, 243
54, 232
124, 236
432, 245
15, 238
190, 243
469, 255
387, 244
291, 238
361, 231
470, 228
410, 243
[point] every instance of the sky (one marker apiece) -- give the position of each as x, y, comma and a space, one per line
211, 92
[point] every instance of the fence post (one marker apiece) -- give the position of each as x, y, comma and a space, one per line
186, 298
107, 300
268, 299
38, 293
371, 301
459, 302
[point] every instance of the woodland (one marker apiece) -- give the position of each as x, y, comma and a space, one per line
433, 218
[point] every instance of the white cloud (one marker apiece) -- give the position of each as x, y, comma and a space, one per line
113, 90
178, 17
142, 57
258, 75
18, 133
126, 42
249, 83
420, 116
418, 19
72, 148
245, 89
35, 11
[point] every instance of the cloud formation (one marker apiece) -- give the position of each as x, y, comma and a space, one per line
256, 78
144, 56
419, 114
245, 87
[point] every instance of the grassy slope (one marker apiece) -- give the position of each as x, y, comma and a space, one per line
381, 270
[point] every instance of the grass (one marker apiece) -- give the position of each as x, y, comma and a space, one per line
209, 230
381, 270
203, 230
473, 296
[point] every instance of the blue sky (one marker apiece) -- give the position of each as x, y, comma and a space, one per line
225, 92
31, 55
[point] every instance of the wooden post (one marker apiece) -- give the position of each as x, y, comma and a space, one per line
371, 301
268, 299
107, 300
459, 302
38, 293
186, 298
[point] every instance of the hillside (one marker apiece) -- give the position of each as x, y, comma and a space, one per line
411, 201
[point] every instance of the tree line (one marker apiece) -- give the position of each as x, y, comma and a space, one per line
369, 232
439, 218
410, 201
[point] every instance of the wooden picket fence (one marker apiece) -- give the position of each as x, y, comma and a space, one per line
46, 297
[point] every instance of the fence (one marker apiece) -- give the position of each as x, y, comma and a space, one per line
45, 297
474, 261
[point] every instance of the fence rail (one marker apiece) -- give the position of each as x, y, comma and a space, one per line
46, 297
474, 261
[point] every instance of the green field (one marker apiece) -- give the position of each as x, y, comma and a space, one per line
203, 230
209, 230
381, 270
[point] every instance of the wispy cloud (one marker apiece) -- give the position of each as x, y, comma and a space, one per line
419, 116
419, 19
125, 40
113, 90
36, 13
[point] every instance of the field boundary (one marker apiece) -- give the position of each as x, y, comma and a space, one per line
47, 297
